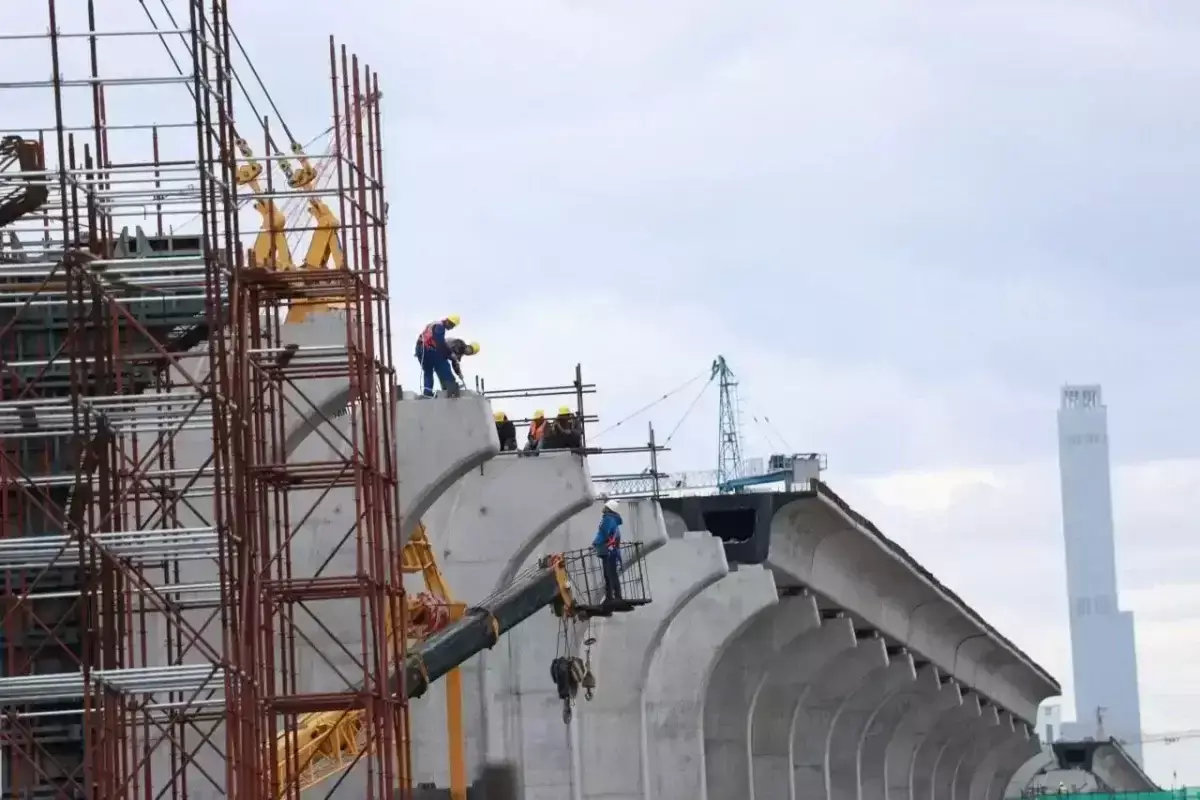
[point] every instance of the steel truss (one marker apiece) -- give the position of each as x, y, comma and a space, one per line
152, 489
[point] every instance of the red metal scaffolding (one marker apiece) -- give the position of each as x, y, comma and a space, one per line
171, 443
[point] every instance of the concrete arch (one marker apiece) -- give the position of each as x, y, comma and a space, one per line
735, 682
882, 728
817, 712
610, 726
673, 701
523, 713
479, 527
956, 723
945, 771
439, 441
912, 732
853, 720
976, 769
1021, 761
795, 669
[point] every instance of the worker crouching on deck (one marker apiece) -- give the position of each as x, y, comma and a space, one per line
506, 432
607, 545
537, 432
564, 431
434, 354
458, 349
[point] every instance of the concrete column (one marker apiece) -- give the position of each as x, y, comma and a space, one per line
914, 728
955, 724
438, 441
784, 685
484, 528
986, 748
855, 718
882, 728
610, 726
816, 712
945, 771
524, 718
677, 682
735, 682
310, 404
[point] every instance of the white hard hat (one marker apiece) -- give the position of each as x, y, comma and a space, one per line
611, 505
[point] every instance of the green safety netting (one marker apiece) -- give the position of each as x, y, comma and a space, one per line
1190, 793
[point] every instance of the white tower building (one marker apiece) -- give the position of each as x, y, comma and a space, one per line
1103, 653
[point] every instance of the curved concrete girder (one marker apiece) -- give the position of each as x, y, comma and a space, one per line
979, 767
1022, 760
816, 713
673, 701
439, 441
955, 724
610, 726
855, 718
945, 771
916, 726
826, 549
883, 726
735, 681
483, 529
792, 672
523, 713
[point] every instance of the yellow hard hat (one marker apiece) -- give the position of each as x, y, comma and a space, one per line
539, 414
500, 416
564, 411
453, 319
473, 348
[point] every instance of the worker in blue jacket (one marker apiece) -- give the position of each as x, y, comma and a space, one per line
607, 545
435, 356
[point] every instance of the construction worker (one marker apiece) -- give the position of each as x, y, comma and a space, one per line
506, 432
537, 431
564, 431
607, 545
434, 354
458, 349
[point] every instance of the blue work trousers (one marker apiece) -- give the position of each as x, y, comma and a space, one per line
432, 361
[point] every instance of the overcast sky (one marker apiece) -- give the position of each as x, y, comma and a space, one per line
905, 227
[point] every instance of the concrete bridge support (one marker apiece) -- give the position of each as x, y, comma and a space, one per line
679, 676
886, 727
817, 711
954, 725
977, 753
611, 725
914, 729
945, 770
855, 718
798, 666
735, 683
525, 717
484, 529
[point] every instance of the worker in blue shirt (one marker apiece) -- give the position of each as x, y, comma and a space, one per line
435, 356
607, 545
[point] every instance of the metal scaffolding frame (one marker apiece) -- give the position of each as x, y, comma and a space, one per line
149, 490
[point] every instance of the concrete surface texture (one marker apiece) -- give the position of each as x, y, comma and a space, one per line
525, 715
611, 725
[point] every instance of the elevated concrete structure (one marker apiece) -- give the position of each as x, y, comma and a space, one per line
525, 714
679, 674
611, 725
873, 695
485, 528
